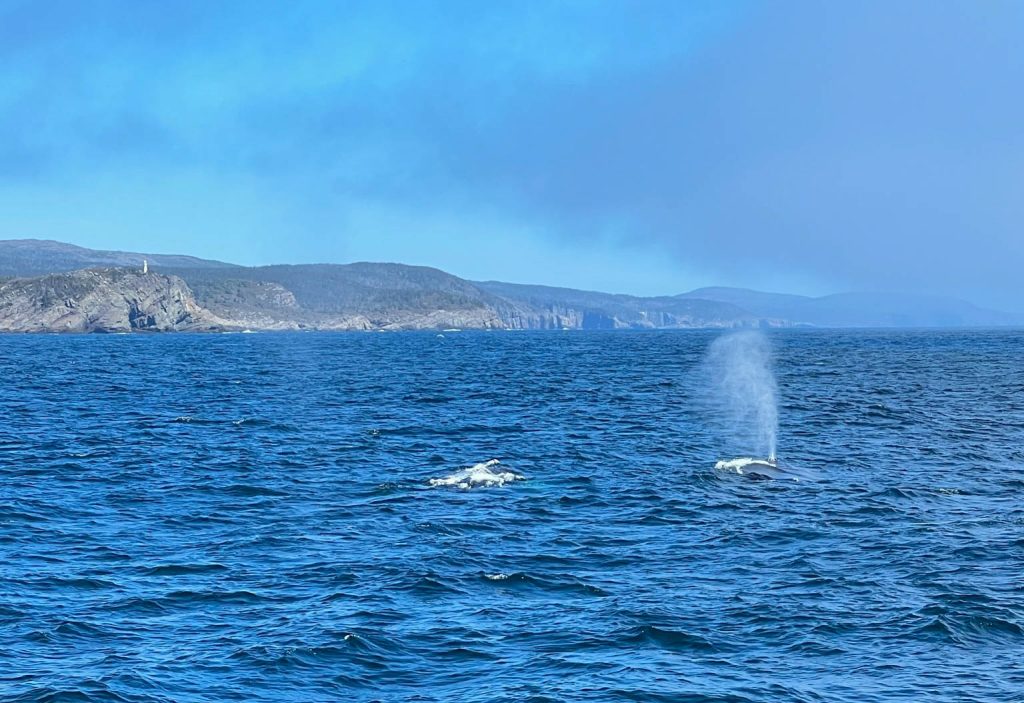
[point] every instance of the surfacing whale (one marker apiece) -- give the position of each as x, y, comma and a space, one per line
749, 466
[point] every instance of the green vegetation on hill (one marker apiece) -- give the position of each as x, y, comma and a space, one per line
351, 289
34, 257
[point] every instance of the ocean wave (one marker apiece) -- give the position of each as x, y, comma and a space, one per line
968, 626
183, 569
248, 491
431, 584
478, 475
558, 584
666, 638
350, 647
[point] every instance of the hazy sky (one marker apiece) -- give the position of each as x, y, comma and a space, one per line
639, 146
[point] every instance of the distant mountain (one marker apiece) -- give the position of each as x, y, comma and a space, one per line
860, 309
33, 257
46, 290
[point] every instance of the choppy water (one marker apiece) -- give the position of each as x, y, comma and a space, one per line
253, 517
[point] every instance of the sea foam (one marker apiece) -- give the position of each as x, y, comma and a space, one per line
478, 475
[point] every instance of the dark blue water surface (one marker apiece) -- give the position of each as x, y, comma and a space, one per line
251, 517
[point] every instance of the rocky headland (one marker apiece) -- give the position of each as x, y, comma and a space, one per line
102, 300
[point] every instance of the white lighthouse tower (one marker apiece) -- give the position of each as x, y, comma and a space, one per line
145, 266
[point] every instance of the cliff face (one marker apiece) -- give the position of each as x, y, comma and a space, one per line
126, 300
185, 293
353, 297
102, 300
398, 297
546, 307
196, 294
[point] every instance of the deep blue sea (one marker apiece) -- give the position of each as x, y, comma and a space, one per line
289, 517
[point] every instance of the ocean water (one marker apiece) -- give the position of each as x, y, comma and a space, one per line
289, 517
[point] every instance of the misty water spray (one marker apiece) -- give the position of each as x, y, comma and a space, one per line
744, 389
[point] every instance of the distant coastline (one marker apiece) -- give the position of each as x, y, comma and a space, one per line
48, 286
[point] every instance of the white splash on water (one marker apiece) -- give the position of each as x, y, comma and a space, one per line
478, 475
745, 391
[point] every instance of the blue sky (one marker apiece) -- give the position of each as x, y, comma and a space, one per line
645, 147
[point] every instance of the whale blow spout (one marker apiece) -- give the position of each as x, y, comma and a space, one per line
744, 390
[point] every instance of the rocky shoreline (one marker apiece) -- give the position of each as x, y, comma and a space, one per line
48, 286
103, 300
119, 300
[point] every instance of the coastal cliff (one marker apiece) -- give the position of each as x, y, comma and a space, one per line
130, 300
53, 289
349, 297
102, 300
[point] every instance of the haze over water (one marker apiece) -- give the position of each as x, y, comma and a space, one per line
253, 517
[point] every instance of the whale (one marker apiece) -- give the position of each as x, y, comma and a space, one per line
753, 467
